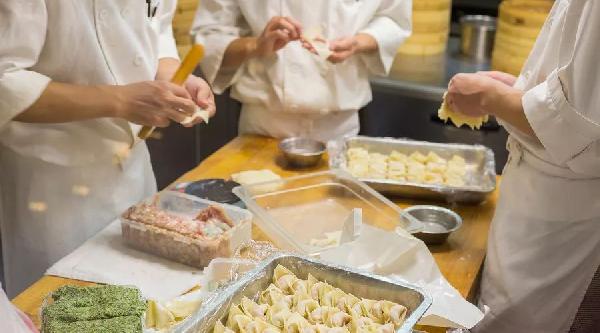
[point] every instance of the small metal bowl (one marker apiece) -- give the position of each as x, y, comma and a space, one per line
302, 152
438, 223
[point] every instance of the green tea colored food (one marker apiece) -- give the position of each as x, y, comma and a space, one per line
94, 309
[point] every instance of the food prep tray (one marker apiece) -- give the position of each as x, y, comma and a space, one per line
294, 211
179, 248
359, 283
481, 169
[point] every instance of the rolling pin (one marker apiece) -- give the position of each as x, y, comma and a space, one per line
186, 68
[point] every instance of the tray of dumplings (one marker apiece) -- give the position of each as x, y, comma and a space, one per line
290, 293
456, 173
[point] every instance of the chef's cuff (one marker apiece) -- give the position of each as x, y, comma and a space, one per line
389, 36
218, 78
19, 90
562, 130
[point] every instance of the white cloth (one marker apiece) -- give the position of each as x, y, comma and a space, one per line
105, 258
322, 127
11, 321
545, 237
295, 80
77, 42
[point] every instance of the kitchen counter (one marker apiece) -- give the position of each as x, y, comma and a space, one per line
460, 259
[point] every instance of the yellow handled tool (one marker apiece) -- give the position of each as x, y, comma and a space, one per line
186, 68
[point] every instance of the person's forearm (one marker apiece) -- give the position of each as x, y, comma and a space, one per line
366, 43
167, 68
508, 106
238, 52
61, 103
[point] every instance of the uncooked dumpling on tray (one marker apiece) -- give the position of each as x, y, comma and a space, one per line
291, 304
417, 167
446, 113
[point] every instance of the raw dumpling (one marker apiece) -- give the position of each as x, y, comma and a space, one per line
278, 314
418, 157
398, 157
220, 328
435, 158
329, 316
433, 178
319, 289
273, 295
295, 324
445, 113
304, 305
253, 309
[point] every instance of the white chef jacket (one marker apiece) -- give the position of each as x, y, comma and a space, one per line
45, 211
545, 237
294, 81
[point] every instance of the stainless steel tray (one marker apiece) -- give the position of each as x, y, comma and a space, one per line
481, 168
358, 283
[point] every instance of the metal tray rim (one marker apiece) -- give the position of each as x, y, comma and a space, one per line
247, 278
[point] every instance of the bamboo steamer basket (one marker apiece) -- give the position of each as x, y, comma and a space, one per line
431, 24
519, 24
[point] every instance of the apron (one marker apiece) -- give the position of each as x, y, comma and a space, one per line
543, 247
47, 210
322, 127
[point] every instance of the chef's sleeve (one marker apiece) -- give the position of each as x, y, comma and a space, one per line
564, 110
390, 27
167, 48
23, 31
216, 25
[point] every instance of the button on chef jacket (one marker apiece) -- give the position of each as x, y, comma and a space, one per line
544, 242
62, 183
294, 80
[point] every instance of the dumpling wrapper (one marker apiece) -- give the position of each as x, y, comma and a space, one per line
445, 113
314, 36
200, 113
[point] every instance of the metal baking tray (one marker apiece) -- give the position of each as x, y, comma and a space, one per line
358, 283
480, 178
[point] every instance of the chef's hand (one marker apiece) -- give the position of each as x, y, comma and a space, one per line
202, 95
505, 78
152, 103
278, 32
344, 48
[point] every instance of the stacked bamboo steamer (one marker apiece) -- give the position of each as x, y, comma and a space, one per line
519, 24
431, 24
182, 23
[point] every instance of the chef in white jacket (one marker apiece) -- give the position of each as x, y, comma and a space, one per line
256, 48
544, 243
77, 79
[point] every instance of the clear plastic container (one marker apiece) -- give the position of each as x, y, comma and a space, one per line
295, 211
180, 248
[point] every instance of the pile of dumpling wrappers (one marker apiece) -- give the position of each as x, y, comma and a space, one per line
416, 167
292, 305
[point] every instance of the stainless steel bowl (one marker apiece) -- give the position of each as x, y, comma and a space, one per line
302, 152
438, 223
477, 36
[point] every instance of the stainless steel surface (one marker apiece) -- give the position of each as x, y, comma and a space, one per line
477, 36
302, 152
427, 77
480, 178
359, 283
438, 222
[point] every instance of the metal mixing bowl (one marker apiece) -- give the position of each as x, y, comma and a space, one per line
438, 223
302, 152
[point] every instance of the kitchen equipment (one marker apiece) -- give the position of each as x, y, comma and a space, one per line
480, 178
217, 190
477, 36
186, 68
438, 223
298, 211
359, 283
302, 152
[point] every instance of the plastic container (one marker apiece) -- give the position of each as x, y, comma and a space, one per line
296, 210
183, 249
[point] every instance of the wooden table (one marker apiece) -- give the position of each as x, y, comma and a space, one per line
460, 259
